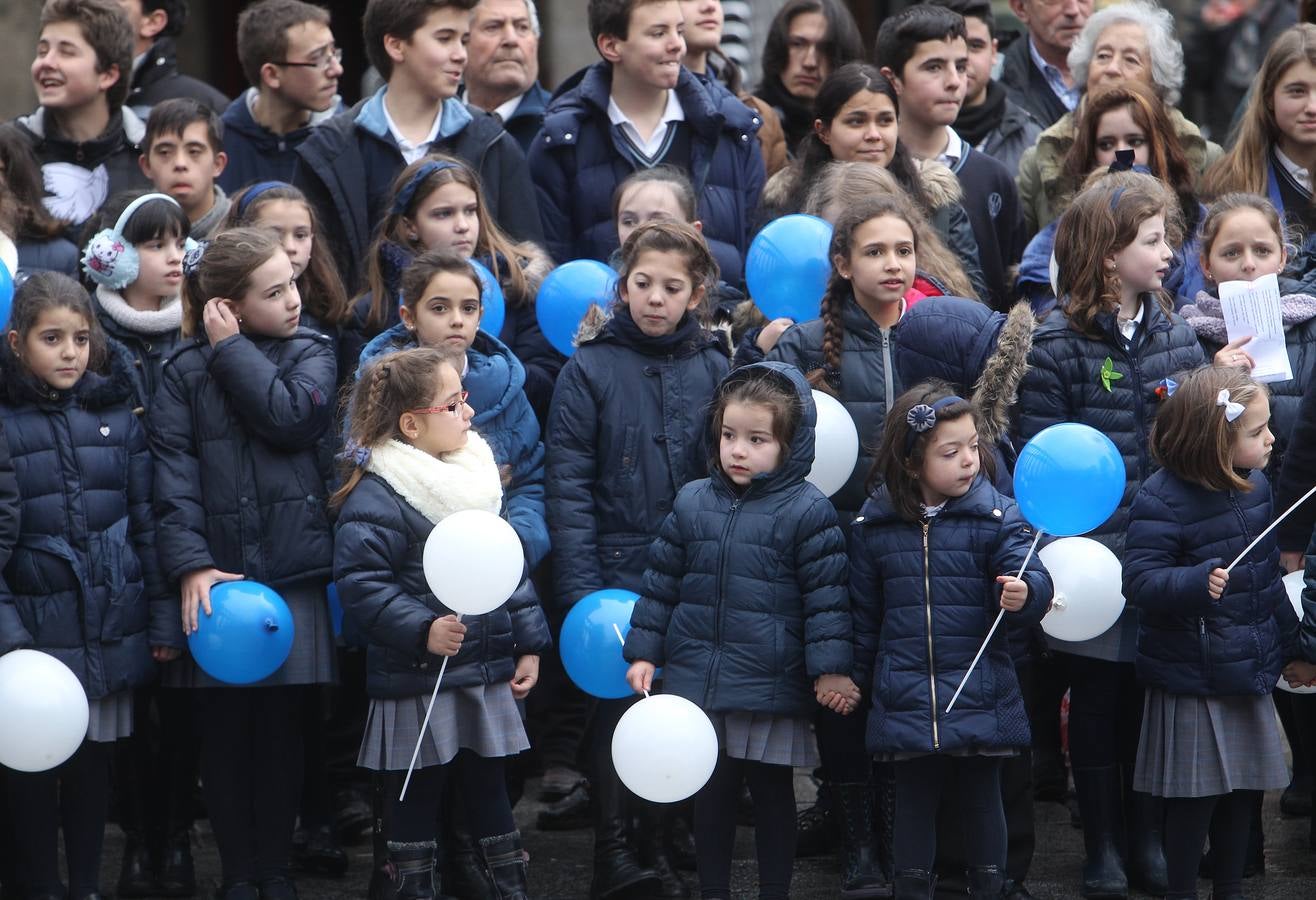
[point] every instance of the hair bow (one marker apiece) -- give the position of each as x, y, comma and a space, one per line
192, 258
356, 455
1232, 410
921, 418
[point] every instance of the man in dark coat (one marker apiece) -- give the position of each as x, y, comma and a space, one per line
155, 75
1035, 70
502, 75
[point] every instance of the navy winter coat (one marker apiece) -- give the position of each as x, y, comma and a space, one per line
148, 353
83, 583
528, 117
1187, 642
626, 431
744, 601
257, 154
379, 542
239, 479
504, 418
578, 160
923, 596
992, 202
158, 79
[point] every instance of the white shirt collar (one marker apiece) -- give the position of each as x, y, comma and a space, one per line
504, 110
1129, 327
1298, 173
412, 152
954, 152
673, 113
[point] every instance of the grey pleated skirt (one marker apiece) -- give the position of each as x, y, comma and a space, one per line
312, 659
111, 717
759, 737
1203, 746
481, 718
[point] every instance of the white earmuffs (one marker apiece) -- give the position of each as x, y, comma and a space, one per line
110, 259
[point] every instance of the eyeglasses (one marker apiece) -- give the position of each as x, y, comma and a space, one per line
450, 408
321, 59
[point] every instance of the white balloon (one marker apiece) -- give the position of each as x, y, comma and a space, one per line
44, 711
664, 748
1293, 584
473, 562
1088, 589
835, 445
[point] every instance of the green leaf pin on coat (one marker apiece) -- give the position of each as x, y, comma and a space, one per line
1108, 374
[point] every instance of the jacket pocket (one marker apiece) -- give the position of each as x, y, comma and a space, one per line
623, 556
624, 475
119, 574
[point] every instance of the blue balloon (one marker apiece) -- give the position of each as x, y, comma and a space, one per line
1069, 479
590, 649
6, 293
335, 608
491, 298
567, 294
787, 267
246, 637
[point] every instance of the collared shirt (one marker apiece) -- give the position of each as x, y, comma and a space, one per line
1296, 172
503, 110
1068, 95
412, 152
954, 151
654, 145
1129, 327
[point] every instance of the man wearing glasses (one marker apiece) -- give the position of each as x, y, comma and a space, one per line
289, 56
1035, 70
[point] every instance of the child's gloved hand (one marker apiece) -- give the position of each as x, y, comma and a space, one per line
640, 676
527, 674
1216, 583
446, 636
1014, 592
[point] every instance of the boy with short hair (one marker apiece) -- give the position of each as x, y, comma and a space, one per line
636, 108
292, 63
183, 154
924, 52
83, 136
348, 165
155, 75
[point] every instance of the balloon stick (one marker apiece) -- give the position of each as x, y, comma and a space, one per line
987, 640
425, 725
617, 629
1269, 527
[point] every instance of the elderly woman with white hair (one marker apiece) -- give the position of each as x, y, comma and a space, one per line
1126, 41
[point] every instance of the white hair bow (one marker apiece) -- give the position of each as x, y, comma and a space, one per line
1232, 410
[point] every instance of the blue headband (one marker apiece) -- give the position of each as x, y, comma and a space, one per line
255, 191
409, 189
923, 418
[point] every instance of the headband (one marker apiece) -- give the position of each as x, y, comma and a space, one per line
255, 191
923, 418
409, 189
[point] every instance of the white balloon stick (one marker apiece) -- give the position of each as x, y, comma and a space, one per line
424, 725
1270, 527
987, 640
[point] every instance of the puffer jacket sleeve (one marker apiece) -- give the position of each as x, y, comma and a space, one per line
13, 634
571, 468
289, 411
867, 607
1152, 580
370, 547
541, 361
647, 639
822, 572
1012, 545
1042, 395
525, 491
164, 629
10, 503
530, 632
181, 542
553, 191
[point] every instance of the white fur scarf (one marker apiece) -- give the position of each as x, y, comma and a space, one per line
439, 486
168, 318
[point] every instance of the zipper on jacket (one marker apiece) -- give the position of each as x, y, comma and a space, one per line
889, 385
721, 593
932, 663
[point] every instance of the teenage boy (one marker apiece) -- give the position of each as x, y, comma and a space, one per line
924, 52
288, 54
347, 166
637, 108
155, 75
83, 136
183, 154
502, 76
989, 120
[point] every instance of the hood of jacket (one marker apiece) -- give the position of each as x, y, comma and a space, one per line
238, 117
799, 460
125, 129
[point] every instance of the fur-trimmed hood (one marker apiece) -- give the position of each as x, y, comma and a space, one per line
1208, 318
938, 182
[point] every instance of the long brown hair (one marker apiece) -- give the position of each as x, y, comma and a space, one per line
1246, 165
389, 386
1101, 221
1191, 435
225, 270
671, 237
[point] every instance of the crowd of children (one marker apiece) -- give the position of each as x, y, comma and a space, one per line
245, 343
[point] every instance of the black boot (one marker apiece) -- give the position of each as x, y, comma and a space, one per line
815, 827
986, 883
616, 869
1101, 798
884, 815
651, 843
853, 811
381, 870
464, 873
136, 875
505, 865
177, 874
915, 884
1145, 860
412, 867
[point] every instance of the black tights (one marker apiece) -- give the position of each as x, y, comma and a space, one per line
972, 785
481, 782
251, 771
773, 792
74, 795
1228, 818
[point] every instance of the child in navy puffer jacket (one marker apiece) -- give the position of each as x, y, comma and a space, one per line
934, 556
1211, 641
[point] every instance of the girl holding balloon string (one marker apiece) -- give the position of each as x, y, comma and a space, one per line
414, 461
237, 426
934, 557
84, 587
755, 636
1211, 640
